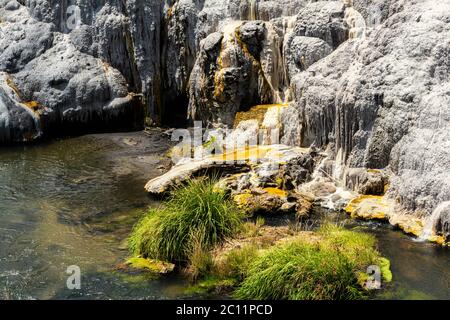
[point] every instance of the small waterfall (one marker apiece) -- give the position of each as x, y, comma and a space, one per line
339, 167
273, 61
336, 200
253, 10
431, 222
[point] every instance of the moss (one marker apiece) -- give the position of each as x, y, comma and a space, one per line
211, 285
242, 199
385, 266
280, 182
154, 266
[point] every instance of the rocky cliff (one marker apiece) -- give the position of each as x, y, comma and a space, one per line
366, 80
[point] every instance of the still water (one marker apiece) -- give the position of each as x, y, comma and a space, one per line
74, 201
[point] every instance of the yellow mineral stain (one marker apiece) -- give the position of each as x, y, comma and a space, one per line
33, 105
242, 199
276, 192
12, 85
256, 113
368, 207
243, 154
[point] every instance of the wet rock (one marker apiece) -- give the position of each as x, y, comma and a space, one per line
366, 182
321, 188
153, 266
370, 208
261, 201
443, 222
408, 224
301, 52
18, 122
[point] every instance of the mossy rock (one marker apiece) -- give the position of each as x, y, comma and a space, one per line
150, 265
385, 266
211, 285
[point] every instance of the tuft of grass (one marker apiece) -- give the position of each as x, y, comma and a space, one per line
201, 262
304, 270
252, 229
357, 246
170, 233
236, 263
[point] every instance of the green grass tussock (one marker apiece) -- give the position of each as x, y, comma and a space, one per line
304, 270
236, 263
193, 213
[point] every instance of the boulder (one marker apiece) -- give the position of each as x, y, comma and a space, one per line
260, 166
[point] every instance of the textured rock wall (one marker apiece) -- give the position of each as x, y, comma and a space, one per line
368, 80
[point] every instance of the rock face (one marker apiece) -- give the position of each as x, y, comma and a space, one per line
366, 80
75, 71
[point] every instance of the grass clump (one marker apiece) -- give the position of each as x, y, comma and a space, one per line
326, 269
201, 261
195, 216
236, 263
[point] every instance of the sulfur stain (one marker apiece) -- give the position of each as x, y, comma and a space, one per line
368, 207
276, 192
257, 113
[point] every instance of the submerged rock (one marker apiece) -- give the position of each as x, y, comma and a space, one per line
149, 265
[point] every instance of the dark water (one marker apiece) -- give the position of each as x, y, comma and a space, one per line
73, 202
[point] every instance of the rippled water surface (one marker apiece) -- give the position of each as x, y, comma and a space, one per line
73, 202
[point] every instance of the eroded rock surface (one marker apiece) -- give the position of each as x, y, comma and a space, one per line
366, 80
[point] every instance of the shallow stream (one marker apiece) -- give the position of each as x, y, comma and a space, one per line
73, 202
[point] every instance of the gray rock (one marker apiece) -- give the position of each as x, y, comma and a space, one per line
368, 80
379, 101
443, 222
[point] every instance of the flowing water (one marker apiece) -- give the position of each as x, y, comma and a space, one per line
73, 202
